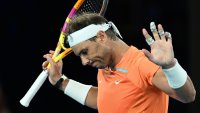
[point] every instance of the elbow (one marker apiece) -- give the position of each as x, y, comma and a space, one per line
193, 95
190, 98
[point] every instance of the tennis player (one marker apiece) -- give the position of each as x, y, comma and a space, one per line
129, 80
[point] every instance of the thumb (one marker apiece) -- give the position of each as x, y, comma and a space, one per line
147, 53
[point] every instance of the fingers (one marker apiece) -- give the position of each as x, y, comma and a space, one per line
168, 36
161, 32
148, 38
154, 31
49, 59
51, 51
44, 65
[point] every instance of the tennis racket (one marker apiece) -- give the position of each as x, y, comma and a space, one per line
97, 6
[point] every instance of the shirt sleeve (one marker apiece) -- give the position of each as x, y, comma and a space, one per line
143, 71
147, 69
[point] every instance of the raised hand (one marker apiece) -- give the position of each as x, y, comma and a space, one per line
161, 46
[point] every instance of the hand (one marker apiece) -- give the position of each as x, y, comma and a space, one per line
55, 69
161, 49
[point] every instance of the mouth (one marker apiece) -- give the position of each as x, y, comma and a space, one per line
97, 64
94, 64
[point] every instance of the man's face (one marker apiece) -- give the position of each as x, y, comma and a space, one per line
93, 53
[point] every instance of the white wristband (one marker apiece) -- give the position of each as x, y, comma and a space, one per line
176, 76
77, 91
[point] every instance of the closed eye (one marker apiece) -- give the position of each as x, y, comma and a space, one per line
83, 52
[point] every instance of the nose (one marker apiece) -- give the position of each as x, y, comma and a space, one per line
84, 60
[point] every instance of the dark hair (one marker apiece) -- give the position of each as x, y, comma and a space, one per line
82, 20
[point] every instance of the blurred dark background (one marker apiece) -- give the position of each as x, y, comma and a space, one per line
30, 28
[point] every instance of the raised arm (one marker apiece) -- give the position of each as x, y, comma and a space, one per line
171, 77
84, 94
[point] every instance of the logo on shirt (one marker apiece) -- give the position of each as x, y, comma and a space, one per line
122, 70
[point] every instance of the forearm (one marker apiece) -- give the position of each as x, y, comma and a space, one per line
84, 94
180, 82
186, 93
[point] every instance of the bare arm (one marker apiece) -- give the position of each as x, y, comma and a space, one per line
77, 89
185, 94
91, 99
175, 82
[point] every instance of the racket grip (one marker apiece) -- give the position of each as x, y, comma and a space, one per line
25, 101
34, 88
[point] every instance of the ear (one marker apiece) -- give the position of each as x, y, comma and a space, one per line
101, 36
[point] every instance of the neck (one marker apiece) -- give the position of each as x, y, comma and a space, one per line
119, 48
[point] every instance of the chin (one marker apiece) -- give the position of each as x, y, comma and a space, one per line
100, 67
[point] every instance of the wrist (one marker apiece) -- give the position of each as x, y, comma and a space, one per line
64, 84
61, 82
171, 64
176, 76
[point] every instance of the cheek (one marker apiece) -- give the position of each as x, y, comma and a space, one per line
107, 51
101, 53
106, 55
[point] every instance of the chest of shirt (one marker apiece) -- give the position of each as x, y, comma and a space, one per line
115, 91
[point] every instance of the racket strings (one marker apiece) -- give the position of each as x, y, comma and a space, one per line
91, 6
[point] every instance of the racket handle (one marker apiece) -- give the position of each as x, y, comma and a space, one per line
25, 101
34, 88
